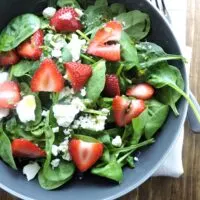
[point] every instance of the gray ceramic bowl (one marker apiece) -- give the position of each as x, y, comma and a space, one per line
151, 158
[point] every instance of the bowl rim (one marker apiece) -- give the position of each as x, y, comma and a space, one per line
161, 160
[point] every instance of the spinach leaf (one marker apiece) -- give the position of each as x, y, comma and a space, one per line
5, 149
165, 78
138, 125
18, 30
157, 114
128, 50
84, 138
96, 83
136, 24
23, 67
101, 3
65, 3
66, 55
44, 23
117, 8
112, 171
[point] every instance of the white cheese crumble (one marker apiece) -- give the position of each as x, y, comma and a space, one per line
55, 129
117, 141
55, 163
26, 109
55, 150
75, 46
49, 12
96, 123
105, 111
136, 159
78, 104
4, 112
65, 114
66, 92
4, 76
79, 12
67, 131
45, 113
83, 92
56, 53
31, 170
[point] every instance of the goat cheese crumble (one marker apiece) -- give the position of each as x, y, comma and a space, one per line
26, 109
49, 12
4, 76
117, 141
31, 170
55, 163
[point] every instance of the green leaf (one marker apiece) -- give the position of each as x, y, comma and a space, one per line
23, 67
162, 77
6, 150
66, 55
136, 24
65, 3
138, 125
18, 30
101, 3
85, 138
157, 114
111, 171
96, 83
128, 50
117, 8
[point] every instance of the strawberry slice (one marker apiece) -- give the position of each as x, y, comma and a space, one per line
66, 20
99, 46
141, 91
78, 74
125, 110
8, 58
22, 148
85, 154
9, 94
112, 88
30, 48
47, 78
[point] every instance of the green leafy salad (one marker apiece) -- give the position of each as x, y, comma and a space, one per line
82, 90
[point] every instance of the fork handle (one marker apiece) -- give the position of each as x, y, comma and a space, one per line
194, 123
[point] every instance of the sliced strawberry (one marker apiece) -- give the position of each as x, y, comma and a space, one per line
66, 20
78, 74
31, 48
85, 154
141, 91
100, 46
9, 94
22, 148
112, 88
8, 58
47, 78
125, 110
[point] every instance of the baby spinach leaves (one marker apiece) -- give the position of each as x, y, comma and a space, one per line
136, 24
18, 30
24, 67
117, 8
65, 3
96, 83
5, 149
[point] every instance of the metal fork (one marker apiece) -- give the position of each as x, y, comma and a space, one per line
194, 123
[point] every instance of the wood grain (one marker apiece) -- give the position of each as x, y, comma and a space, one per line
186, 187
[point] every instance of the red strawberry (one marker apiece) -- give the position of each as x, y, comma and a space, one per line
112, 88
22, 148
9, 94
66, 20
125, 110
31, 47
141, 91
78, 74
85, 154
8, 58
100, 46
47, 78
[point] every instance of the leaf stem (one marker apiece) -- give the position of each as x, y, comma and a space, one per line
119, 69
188, 100
91, 111
88, 58
83, 35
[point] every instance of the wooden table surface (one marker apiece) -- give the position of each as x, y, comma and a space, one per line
186, 187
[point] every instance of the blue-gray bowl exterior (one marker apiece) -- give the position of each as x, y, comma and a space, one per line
151, 158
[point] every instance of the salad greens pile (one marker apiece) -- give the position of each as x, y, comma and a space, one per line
141, 62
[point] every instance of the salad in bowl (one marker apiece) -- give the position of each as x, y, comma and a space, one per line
81, 89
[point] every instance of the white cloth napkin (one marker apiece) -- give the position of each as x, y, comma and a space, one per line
173, 165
